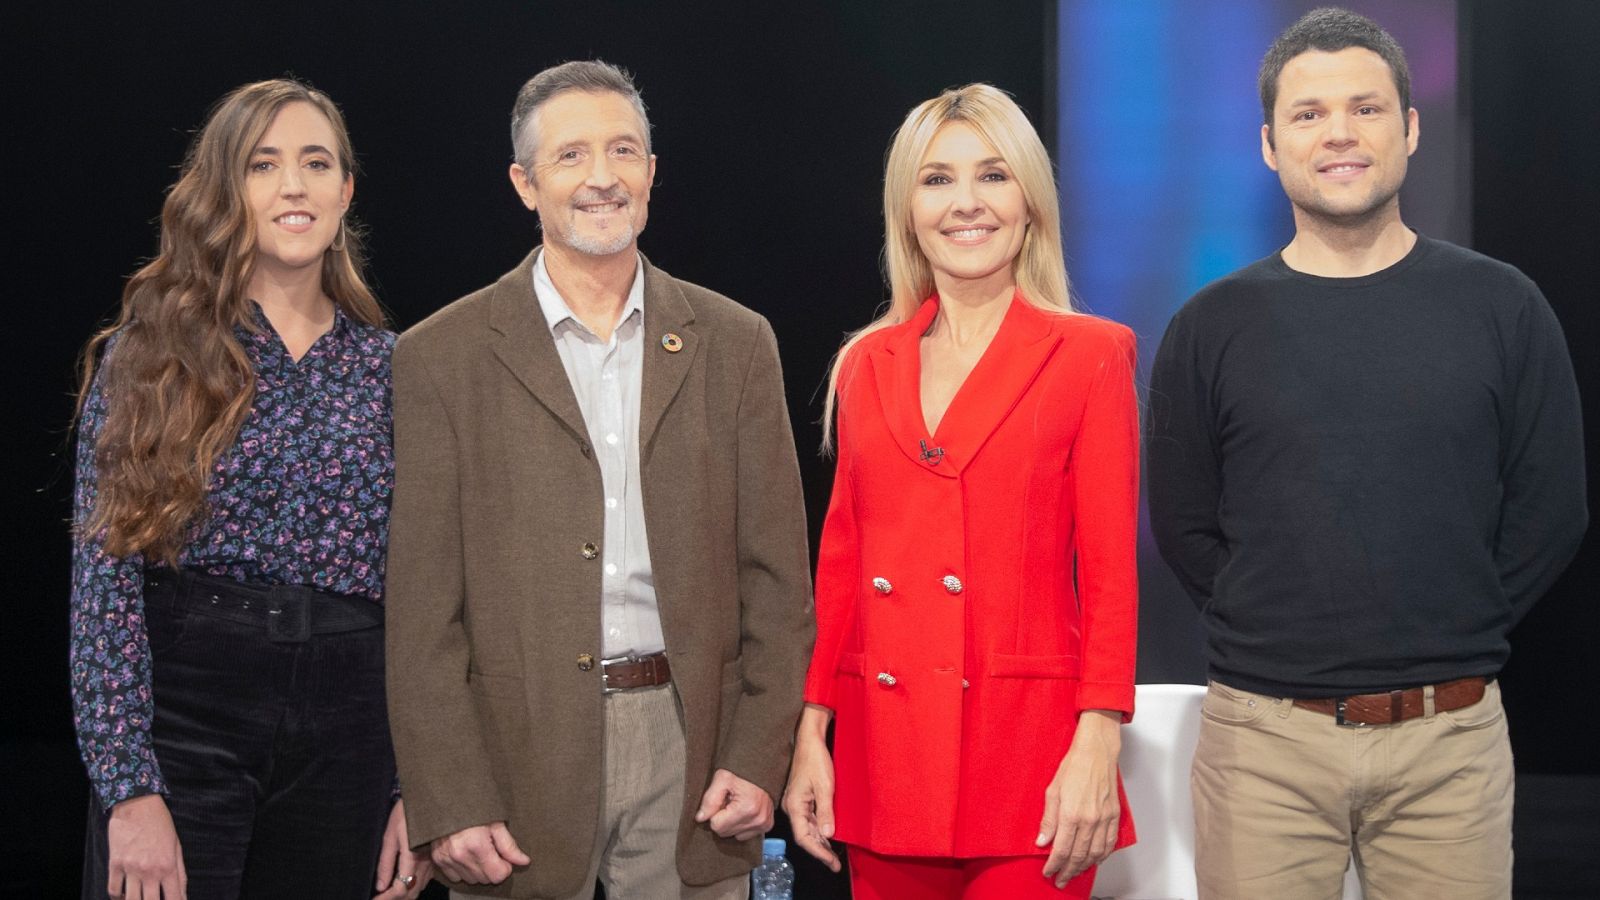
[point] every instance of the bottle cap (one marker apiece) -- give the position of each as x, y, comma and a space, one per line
773, 847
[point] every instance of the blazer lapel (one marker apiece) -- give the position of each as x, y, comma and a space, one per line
527, 348
666, 314
1024, 341
1003, 374
897, 370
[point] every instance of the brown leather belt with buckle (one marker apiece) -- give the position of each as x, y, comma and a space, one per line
628, 672
1397, 706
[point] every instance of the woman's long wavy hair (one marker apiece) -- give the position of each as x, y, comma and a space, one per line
1040, 268
178, 384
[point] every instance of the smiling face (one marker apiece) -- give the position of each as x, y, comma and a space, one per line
1340, 139
296, 189
967, 210
591, 175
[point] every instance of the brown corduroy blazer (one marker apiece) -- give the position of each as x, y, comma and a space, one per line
493, 608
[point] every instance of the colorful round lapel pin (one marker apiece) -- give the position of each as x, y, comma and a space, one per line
671, 342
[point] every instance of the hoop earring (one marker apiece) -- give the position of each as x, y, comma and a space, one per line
339, 243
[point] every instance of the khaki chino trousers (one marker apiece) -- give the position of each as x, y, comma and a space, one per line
1285, 796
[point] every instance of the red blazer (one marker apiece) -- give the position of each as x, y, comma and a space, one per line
952, 643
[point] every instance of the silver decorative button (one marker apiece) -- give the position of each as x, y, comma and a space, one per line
952, 584
887, 680
965, 683
883, 585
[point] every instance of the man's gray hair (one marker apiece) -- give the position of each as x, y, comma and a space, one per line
589, 75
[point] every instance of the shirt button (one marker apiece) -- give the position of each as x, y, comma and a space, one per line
882, 585
611, 439
952, 584
614, 632
611, 568
585, 661
611, 503
607, 376
887, 680
590, 550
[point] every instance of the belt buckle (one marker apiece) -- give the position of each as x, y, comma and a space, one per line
1338, 715
605, 686
289, 619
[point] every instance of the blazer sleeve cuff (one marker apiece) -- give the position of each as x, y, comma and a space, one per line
819, 689
426, 822
1107, 695
769, 774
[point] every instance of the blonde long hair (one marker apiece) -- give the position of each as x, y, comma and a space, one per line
1040, 268
179, 385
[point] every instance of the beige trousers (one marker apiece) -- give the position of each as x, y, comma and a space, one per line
1283, 797
635, 851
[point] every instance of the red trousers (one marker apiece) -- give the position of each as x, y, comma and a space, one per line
877, 877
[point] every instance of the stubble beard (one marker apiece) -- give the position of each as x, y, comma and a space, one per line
1379, 204
607, 245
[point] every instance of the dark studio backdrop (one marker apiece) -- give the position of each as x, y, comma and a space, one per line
771, 124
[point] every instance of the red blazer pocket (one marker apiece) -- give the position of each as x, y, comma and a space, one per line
1007, 665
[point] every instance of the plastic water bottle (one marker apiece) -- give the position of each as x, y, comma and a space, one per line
774, 878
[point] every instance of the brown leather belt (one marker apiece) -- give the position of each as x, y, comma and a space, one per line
1397, 706
628, 672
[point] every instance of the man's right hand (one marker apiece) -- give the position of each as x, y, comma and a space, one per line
482, 854
146, 862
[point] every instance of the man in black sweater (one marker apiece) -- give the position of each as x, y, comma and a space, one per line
1365, 465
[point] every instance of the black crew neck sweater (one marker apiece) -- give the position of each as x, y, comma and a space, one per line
1363, 483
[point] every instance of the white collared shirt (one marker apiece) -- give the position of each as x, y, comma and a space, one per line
606, 377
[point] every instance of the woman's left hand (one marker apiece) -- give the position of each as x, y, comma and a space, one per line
401, 872
1080, 806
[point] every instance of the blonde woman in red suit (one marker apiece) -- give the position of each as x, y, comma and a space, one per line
976, 587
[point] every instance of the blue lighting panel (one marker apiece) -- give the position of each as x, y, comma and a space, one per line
1162, 184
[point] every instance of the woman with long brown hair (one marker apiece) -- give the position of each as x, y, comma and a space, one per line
231, 516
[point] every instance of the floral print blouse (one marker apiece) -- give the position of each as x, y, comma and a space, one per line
302, 497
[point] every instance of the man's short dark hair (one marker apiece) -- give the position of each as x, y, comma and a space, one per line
1331, 29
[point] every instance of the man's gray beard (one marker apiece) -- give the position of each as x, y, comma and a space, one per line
588, 247
566, 231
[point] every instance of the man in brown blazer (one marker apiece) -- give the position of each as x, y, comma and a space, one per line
598, 591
